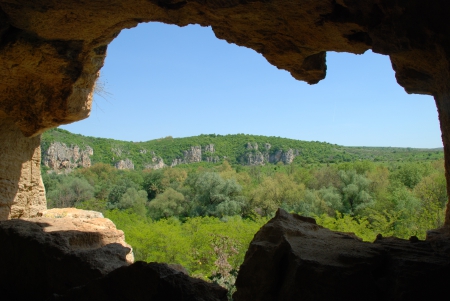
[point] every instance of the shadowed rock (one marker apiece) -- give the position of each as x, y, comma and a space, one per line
41, 256
292, 258
149, 282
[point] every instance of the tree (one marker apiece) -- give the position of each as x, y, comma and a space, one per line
324, 177
134, 200
167, 204
410, 174
70, 191
354, 191
153, 183
215, 196
277, 191
116, 193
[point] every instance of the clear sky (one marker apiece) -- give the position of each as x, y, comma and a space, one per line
164, 80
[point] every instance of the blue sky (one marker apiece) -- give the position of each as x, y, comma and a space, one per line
164, 80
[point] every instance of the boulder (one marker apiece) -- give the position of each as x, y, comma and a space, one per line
57, 251
293, 258
146, 281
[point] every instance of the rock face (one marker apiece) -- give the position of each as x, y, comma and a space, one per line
257, 156
22, 192
146, 281
157, 162
292, 258
59, 250
124, 164
196, 154
61, 157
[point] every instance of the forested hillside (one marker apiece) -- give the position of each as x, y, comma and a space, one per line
236, 149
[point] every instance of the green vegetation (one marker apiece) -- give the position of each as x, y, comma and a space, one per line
204, 215
233, 148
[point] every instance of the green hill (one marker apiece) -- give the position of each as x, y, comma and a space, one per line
237, 149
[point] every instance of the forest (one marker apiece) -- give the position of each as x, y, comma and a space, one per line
203, 216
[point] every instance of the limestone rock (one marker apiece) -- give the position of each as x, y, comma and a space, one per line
209, 148
193, 154
252, 145
254, 158
70, 213
61, 157
287, 157
124, 164
22, 192
62, 249
213, 159
157, 163
292, 258
146, 281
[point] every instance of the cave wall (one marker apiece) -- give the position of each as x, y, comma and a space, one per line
51, 51
22, 192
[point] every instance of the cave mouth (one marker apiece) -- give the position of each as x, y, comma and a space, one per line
53, 53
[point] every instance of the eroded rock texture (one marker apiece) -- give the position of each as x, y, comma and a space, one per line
62, 249
146, 281
51, 51
21, 189
292, 258
60, 157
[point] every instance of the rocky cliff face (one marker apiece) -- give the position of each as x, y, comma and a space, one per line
61, 157
197, 154
124, 164
260, 156
157, 162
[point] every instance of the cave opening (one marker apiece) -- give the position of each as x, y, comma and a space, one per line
52, 54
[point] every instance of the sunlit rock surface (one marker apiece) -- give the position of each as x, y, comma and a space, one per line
62, 249
59, 156
293, 258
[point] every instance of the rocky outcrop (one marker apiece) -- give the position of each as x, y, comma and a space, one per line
157, 162
61, 249
22, 192
146, 281
257, 156
254, 158
287, 157
61, 157
124, 164
292, 258
210, 148
196, 154
193, 154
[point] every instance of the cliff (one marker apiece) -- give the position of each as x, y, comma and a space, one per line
256, 156
59, 156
